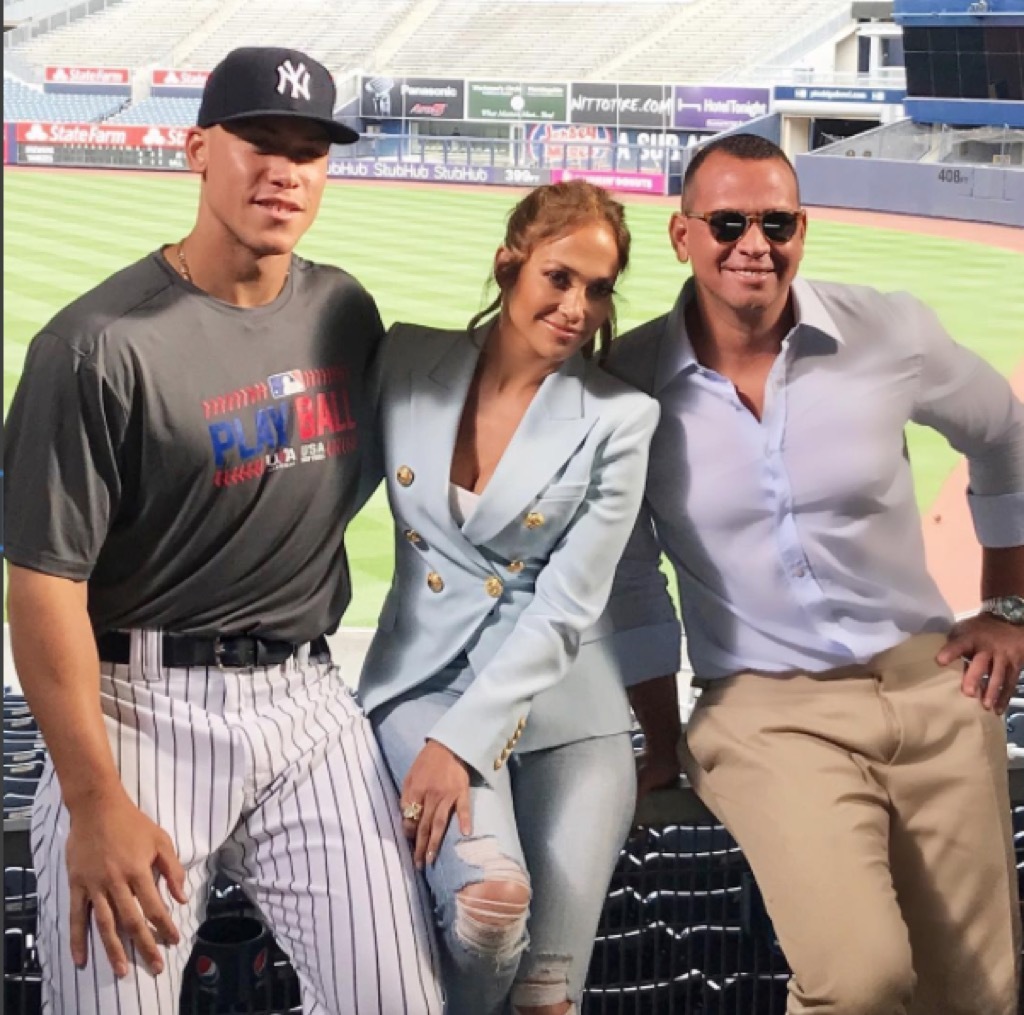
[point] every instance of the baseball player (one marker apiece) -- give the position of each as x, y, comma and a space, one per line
184, 451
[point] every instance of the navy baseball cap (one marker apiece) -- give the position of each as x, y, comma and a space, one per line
271, 81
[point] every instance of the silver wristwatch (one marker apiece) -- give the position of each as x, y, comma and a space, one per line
1008, 608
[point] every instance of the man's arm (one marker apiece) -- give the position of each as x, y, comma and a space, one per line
113, 848
655, 704
974, 407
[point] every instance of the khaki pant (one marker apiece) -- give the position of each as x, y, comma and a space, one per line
872, 803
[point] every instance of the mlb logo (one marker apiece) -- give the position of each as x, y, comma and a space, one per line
259, 964
283, 385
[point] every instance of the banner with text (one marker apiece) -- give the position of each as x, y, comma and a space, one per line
630, 183
806, 93
121, 135
714, 108
591, 146
615, 105
87, 76
386, 98
436, 172
191, 80
571, 145
510, 100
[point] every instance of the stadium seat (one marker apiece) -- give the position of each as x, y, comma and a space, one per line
15, 951
681, 995
27, 103
19, 749
716, 907
23, 995
17, 806
21, 787
24, 769
622, 910
1015, 729
747, 995
22, 723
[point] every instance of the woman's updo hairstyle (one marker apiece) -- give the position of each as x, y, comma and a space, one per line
548, 213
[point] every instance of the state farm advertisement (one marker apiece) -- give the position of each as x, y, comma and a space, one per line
166, 78
101, 135
87, 76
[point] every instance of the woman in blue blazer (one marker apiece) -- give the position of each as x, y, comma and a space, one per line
515, 470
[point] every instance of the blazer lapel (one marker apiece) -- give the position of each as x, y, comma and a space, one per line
552, 428
437, 403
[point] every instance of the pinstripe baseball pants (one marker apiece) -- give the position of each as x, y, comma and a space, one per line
272, 776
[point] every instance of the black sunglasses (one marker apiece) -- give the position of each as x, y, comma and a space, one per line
728, 226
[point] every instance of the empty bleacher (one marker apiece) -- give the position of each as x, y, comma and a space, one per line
711, 41
136, 33
538, 40
197, 33
160, 112
23, 102
645, 40
341, 34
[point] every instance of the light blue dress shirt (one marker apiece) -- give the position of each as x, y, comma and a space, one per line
796, 539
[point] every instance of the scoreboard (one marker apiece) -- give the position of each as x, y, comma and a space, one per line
94, 145
90, 156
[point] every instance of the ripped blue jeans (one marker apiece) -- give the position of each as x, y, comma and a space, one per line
554, 822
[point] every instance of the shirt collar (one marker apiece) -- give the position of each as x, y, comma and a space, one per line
676, 355
810, 312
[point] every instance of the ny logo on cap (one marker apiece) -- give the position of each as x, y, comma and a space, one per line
297, 77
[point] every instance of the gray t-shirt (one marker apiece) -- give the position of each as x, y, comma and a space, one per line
197, 462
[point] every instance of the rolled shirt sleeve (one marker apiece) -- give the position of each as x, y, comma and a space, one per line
971, 404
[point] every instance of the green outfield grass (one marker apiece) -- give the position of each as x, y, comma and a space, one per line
424, 253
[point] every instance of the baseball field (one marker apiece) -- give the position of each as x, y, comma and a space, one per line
424, 253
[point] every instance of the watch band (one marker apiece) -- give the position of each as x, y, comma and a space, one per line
1008, 608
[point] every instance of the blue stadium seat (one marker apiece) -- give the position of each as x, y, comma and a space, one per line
17, 806
24, 103
24, 770
22, 723
160, 111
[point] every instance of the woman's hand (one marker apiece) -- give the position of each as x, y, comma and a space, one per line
439, 782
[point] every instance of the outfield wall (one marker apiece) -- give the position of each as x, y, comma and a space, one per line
936, 190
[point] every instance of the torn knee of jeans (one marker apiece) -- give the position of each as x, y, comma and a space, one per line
491, 914
547, 984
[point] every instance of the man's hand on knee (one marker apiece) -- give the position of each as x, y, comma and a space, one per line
993, 653
115, 857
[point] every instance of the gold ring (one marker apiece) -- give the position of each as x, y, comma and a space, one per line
412, 812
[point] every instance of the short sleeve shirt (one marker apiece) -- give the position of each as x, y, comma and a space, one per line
195, 461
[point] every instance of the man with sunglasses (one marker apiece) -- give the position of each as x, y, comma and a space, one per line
847, 733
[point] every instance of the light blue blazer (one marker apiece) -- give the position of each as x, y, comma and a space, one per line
521, 585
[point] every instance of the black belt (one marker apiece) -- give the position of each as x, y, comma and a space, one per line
227, 652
